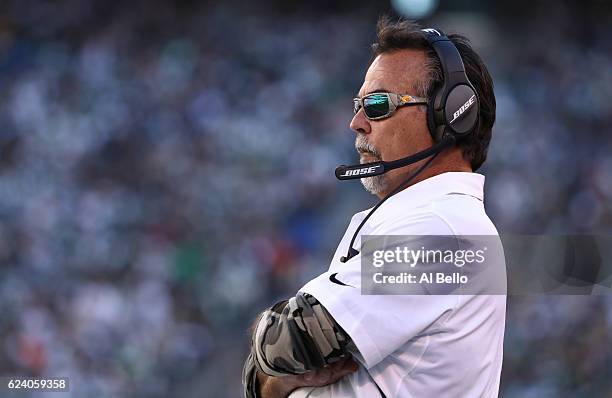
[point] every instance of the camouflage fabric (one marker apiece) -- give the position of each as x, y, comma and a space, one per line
249, 372
249, 378
296, 336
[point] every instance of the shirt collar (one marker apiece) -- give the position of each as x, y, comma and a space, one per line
424, 192
443, 184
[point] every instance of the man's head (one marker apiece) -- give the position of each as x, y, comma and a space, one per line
405, 63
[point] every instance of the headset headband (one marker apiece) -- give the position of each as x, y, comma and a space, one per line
454, 106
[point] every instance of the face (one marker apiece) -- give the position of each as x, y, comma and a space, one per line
405, 131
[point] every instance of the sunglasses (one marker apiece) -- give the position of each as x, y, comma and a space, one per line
381, 105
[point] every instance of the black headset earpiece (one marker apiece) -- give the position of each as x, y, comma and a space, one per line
436, 129
453, 106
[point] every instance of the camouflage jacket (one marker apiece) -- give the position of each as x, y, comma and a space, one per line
293, 337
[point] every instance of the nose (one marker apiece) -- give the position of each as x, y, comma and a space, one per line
360, 123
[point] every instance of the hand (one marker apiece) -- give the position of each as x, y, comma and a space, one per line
283, 386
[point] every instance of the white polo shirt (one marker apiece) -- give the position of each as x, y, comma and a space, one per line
417, 345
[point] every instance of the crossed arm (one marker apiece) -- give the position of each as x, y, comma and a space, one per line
295, 343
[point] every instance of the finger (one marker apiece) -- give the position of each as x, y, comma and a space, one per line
338, 374
324, 375
348, 367
340, 364
308, 377
330, 374
345, 364
351, 365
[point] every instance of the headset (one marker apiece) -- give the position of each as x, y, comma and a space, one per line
454, 106
452, 114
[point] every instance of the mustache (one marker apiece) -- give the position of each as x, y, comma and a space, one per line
363, 146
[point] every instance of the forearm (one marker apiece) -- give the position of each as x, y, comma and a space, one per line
280, 387
259, 385
274, 387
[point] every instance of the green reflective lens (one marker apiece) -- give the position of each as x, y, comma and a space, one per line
376, 105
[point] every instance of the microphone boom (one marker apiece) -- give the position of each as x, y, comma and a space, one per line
356, 171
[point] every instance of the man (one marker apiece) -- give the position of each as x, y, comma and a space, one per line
332, 341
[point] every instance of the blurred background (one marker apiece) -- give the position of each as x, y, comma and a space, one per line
166, 172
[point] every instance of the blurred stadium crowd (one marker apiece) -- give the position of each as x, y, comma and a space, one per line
167, 171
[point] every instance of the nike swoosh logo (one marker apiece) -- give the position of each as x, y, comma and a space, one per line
333, 279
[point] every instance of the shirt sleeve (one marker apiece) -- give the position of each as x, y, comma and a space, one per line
380, 324
296, 336
250, 385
